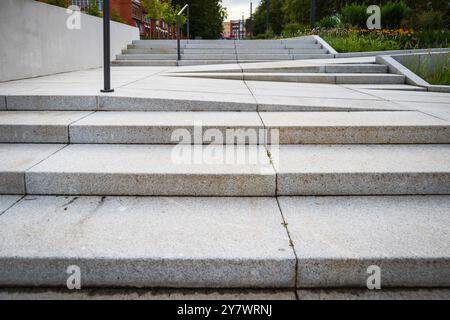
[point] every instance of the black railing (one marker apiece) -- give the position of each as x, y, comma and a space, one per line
106, 48
185, 8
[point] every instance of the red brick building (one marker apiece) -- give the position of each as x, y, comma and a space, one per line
133, 13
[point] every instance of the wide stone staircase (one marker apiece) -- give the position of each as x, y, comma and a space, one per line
204, 197
196, 52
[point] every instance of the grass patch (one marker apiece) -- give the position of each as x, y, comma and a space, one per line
438, 74
440, 77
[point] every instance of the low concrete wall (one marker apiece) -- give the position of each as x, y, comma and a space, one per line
35, 40
425, 62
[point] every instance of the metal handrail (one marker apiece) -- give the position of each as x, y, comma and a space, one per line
186, 7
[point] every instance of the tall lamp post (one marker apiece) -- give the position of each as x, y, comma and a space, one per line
250, 32
313, 13
106, 48
267, 15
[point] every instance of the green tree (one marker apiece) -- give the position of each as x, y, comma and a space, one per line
58, 3
206, 17
153, 9
93, 8
276, 17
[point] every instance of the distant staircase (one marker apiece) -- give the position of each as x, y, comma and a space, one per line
198, 52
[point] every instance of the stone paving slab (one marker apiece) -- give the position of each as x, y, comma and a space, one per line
362, 169
135, 100
426, 97
2, 102
146, 242
37, 126
337, 238
166, 128
51, 102
223, 294
148, 294
384, 294
356, 127
289, 103
7, 201
154, 170
15, 159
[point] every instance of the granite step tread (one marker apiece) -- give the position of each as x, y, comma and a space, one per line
180, 170
336, 240
140, 127
146, 242
362, 169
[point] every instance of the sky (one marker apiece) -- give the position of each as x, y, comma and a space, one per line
236, 7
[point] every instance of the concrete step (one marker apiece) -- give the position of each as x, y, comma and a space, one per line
405, 236
356, 127
327, 68
178, 101
209, 56
146, 242
212, 46
330, 78
169, 128
261, 56
210, 51
204, 62
146, 57
307, 51
150, 51
182, 170
308, 56
133, 127
362, 169
15, 159
37, 126
144, 63
337, 239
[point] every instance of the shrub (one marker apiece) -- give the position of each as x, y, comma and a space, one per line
393, 13
93, 9
329, 22
431, 20
294, 30
58, 3
267, 35
355, 15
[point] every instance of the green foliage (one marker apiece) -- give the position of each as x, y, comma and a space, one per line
343, 41
295, 30
329, 22
393, 13
438, 74
355, 15
58, 3
431, 20
116, 17
153, 9
263, 36
93, 9
275, 19
206, 17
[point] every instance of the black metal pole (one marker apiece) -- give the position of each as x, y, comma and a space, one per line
267, 15
313, 13
187, 23
178, 38
251, 19
106, 49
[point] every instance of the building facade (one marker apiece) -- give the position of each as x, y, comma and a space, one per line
132, 13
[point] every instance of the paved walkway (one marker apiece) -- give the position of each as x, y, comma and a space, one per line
153, 82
